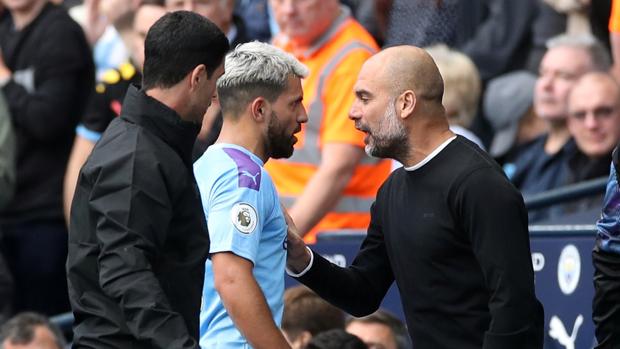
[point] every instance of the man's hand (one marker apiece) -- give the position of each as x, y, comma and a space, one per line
298, 256
5, 72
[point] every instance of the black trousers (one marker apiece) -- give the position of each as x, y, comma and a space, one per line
36, 253
606, 304
6, 289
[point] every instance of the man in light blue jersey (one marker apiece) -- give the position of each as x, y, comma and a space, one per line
261, 99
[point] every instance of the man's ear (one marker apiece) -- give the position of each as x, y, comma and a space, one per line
405, 104
259, 109
196, 76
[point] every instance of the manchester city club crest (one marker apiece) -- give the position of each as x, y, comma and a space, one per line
569, 269
244, 217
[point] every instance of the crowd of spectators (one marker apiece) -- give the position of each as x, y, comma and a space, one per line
533, 82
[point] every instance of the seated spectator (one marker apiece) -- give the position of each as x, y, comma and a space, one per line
594, 123
542, 164
306, 315
336, 339
380, 330
508, 106
461, 89
30, 331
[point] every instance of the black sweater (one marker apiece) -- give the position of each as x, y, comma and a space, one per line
52, 76
453, 235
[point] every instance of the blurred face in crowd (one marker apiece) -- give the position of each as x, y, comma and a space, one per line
594, 114
145, 17
287, 115
375, 335
20, 5
219, 12
304, 21
559, 70
43, 339
374, 112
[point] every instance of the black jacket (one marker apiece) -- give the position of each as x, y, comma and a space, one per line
53, 74
138, 239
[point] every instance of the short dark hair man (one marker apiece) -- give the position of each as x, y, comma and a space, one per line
30, 331
306, 314
380, 330
138, 239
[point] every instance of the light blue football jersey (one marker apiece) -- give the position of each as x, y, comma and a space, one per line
244, 217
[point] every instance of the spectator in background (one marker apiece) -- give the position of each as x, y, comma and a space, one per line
461, 89
542, 164
109, 50
494, 34
509, 108
138, 238
306, 315
328, 183
380, 330
257, 16
46, 75
7, 187
30, 331
220, 12
594, 123
105, 104
336, 339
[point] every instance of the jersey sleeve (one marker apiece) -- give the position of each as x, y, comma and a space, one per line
235, 216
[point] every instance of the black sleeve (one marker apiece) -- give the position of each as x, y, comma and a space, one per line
99, 113
495, 219
359, 288
50, 110
496, 40
132, 210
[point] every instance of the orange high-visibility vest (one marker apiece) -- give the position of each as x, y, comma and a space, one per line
614, 19
334, 62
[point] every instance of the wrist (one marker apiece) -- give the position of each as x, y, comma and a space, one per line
298, 266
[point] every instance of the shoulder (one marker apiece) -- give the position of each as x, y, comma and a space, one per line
230, 167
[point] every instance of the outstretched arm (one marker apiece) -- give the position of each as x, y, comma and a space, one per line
357, 289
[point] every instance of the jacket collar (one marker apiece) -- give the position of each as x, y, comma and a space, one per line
165, 123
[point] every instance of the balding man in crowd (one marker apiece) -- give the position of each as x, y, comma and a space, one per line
448, 227
541, 164
594, 121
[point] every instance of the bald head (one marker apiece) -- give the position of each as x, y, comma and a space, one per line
409, 68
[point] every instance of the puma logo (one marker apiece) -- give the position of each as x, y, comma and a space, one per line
558, 332
247, 173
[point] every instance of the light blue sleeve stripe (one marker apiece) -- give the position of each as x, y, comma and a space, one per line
90, 135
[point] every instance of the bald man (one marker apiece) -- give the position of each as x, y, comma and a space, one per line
448, 227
